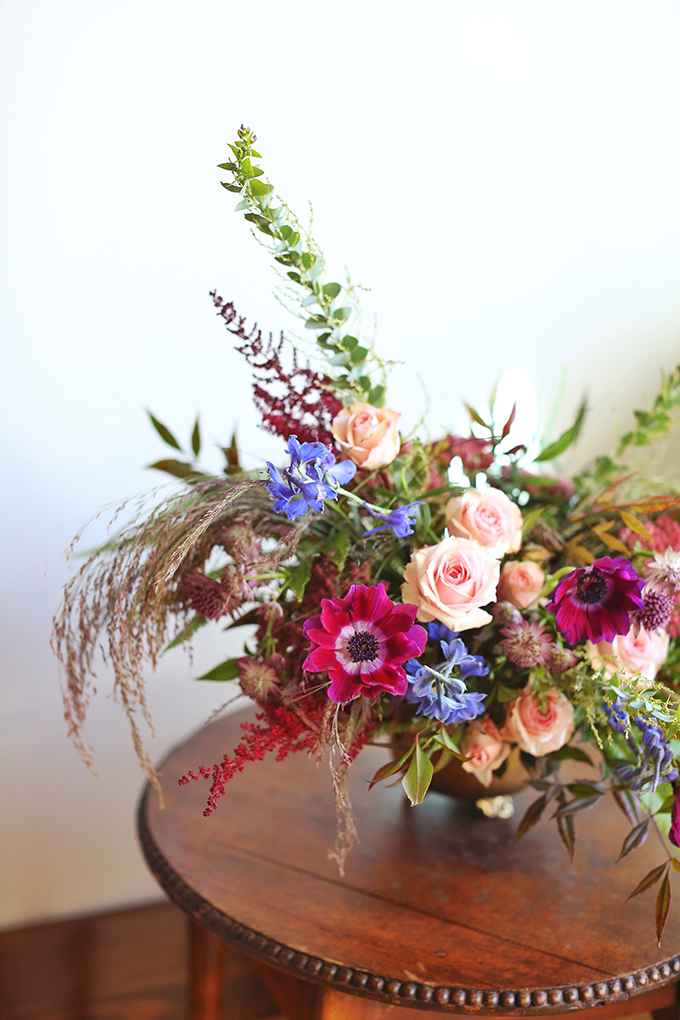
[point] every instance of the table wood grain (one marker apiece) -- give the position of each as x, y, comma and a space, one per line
440, 909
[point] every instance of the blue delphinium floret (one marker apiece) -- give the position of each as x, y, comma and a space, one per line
438, 694
617, 717
440, 632
655, 760
312, 477
400, 520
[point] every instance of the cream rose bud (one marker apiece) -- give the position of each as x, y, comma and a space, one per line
368, 435
521, 583
632, 654
484, 749
489, 517
450, 582
539, 730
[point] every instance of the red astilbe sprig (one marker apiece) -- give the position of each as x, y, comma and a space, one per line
278, 729
292, 402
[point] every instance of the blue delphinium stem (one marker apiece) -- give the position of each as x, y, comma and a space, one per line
438, 694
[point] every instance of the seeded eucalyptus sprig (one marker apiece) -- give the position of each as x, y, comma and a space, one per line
325, 307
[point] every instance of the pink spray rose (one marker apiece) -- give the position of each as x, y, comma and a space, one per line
489, 517
521, 583
631, 654
368, 435
450, 582
536, 731
484, 749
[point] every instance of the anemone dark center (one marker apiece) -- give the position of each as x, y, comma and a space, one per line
363, 646
592, 588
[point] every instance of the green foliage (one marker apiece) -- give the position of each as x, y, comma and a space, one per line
418, 776
567, 438
326, 307
227, 670
650, 426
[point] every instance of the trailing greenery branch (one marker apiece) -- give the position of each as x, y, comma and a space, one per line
650, 426
325, 307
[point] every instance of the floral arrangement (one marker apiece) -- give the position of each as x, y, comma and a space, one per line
446, 597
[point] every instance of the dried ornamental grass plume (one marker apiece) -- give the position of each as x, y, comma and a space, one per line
127, 599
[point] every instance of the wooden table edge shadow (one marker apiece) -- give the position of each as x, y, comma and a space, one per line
313, 988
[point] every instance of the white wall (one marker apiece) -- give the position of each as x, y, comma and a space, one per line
502, 176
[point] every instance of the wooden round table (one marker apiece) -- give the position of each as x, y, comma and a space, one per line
440, 909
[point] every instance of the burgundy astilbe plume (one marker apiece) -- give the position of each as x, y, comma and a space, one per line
293, 401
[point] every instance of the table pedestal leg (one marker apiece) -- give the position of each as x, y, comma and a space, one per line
299, 1000
206, 973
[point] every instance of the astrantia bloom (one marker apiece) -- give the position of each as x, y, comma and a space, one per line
527, 644
657, 609
438, 694
311, 477
362, 641
666, 568
400, 520
595, 602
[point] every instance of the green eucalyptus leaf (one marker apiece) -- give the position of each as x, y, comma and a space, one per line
259, 188
377, 396
317, 322
331, 290
342, 314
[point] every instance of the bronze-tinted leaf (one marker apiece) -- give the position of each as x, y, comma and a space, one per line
531, 816
650, 879
567, 830
635, 838
663, 904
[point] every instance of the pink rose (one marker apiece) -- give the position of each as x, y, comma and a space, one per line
521, 583
368, 435
631, 654
450, 581
536, 731
484, 749
488, 517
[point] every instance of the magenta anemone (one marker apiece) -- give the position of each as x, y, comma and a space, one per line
595, 602
362, 640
